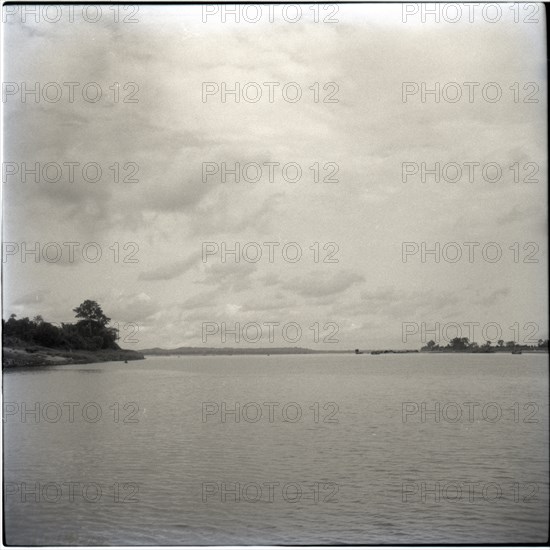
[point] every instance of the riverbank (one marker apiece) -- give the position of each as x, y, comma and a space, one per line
39, 356
495, 350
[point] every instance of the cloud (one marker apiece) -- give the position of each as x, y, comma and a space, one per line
493, 298
317, 285
132, 308
200, 300
229, 277
513, 215
168, 271
37, 297
277, 303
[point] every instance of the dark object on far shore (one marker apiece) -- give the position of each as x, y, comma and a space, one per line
381, 351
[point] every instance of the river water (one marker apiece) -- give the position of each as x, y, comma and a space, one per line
316, 449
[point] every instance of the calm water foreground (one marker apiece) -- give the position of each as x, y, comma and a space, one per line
149, 453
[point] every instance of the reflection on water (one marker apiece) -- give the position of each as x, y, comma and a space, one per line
315, 452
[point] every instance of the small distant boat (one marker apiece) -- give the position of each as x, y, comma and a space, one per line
516, 352
357, 352
126, 360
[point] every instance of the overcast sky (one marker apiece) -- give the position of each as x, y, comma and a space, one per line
368, 212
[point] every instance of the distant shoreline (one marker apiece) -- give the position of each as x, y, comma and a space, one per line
322, 352
281, 351
38, 356
199, 351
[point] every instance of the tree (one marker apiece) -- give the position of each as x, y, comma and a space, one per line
47, 335
89, 333
459, 343
500, 343
91, 311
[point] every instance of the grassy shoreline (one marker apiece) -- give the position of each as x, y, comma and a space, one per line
39, 356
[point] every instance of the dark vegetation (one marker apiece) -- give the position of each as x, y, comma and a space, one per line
34, 342
90, 333
464, 345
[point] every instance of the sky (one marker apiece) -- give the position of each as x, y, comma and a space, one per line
168, 140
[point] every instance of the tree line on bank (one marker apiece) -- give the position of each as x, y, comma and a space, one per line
464, 344
90, 333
